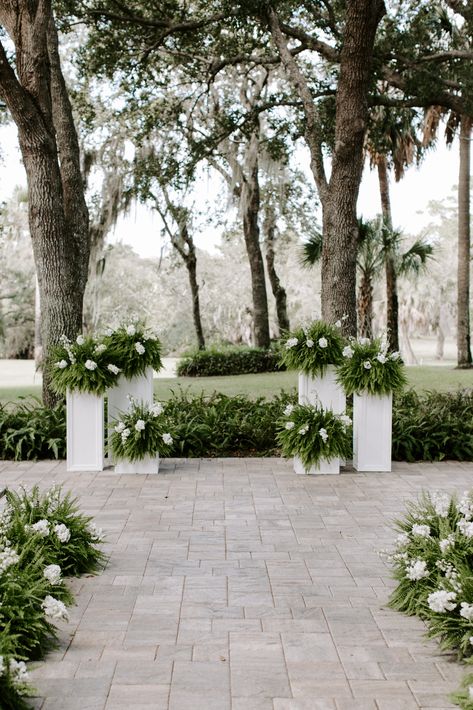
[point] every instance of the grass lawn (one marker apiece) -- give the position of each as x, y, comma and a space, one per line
268, 384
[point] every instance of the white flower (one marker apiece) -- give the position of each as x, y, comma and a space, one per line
97, 533
465, 527
130, 330
119, 427
62, 364
364, 341
167, 438
395, 355
303, 430
466, 611
381, 357
7, 558
441, 503
417, 569
140, 425
421, 530
157, 409
62, 532
323, 434
402, 539
289, 425
323, 342
338, 324
18, 671
367, 365
113, 368
54, 608
309, 342
90, 365
52, 574
109, 332
442, 601
347, 351
465, 506
291, 342
446, 543
41, 528
140, 348
289, 410
345, 420
99, 349
80, 340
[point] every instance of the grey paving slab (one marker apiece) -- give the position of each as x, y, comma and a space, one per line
234, 584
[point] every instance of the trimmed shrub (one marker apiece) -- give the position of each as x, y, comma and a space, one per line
228, 361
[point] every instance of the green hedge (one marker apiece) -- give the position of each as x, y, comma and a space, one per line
228, 361
426, 427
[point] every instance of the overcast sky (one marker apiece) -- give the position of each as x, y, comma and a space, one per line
433, 180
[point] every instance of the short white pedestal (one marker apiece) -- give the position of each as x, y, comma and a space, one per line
85, 431
150, 464
139, 387
372, 432
323, 391
324, 466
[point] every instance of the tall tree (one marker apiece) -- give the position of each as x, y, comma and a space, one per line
33, 89
464, 247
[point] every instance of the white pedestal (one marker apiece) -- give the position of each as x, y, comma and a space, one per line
139, 387
150, 464
372, 432
325, 466
85, 431
323, 391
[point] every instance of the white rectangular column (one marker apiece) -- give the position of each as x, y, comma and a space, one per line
149, 464
324, 466
372, 432
85, 431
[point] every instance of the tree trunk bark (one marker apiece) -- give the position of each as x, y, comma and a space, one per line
365, 307
38, 345
392, 306
464, 359
251, 205
339, 196
37, 100
191, 265
279, 292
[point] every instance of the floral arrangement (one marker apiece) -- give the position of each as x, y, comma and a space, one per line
141, 432
368, 367
314, 434
312, 349
134, 348
85, 365
433, 566
33, 594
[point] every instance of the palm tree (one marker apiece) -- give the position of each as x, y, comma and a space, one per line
376, 243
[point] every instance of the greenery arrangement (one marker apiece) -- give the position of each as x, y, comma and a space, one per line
30, 431
85, 365
433, 567
134, 348
313, 434
228, 361
312, 349
37, 550
142, 431
368, 367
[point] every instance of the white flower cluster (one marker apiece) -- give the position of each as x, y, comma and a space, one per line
446, 543
304, 429
345, 419
167, 438
289, 410
416, 569
140, 348
309, 342
402, 539
465, 506
8, 557
17, 670
130, 329
140, 425
113, 369
67, 345
466, 527
441, 503
53, 574
96, 533
347, 352
54, 608
291, 343
156, 409
40, 528
466, 611
323, 434
442, 601
90, 365
323, 343
421, 530
450, 573
100, 348
62, 532
289, 425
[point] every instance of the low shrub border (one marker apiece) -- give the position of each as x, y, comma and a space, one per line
43, 538
426, 427
228, 361
433, 567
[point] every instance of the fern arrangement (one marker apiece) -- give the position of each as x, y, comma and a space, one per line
134, 348
368, 367
311, 350
142, 431
85, 365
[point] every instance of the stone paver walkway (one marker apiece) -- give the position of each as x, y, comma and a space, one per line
235, 584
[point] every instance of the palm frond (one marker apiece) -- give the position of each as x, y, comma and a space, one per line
413, 261
312, 250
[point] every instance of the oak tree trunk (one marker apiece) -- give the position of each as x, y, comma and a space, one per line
278, 290
463, 273
365, 307
392, 305
191, 265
